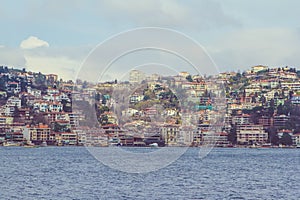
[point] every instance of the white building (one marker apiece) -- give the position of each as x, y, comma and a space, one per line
136, 77
251, 133
170, 133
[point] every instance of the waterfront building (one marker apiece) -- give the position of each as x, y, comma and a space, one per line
280, 120
297, 139
251, 133
186, 135
170, 134
38, 133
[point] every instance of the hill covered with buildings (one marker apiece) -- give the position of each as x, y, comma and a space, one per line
261, 106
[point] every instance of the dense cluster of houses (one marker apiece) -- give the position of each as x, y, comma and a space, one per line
37, 108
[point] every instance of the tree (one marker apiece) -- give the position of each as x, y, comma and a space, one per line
97, 96
16, 114
273, 136
39, 118
291, 93
189, 78
60, 128
2, 83
84, 84
103, 100
23, 101
272, 103
67, 106
263, 100
103, 119
146, 97
40, 79
286, 139
232, 137
253, 99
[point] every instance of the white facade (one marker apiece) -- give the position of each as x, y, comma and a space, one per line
136, 76
251, 133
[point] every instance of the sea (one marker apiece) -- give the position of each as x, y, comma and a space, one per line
225, 173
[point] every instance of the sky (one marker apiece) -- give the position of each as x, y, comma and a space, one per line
56, 36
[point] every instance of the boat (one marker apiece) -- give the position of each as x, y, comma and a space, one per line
44, 144
153, 145
10, 144
266, 145
31, 146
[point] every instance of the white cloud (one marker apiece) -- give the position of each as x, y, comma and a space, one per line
63, 61
2, 46
244, 48
33, 42
62, 65
12, 57
169, 13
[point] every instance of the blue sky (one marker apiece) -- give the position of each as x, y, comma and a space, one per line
236, 34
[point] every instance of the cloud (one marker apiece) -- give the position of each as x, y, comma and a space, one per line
201, 15
33, 42
63, 61
268, 46
2, 46
11, 57
63, 66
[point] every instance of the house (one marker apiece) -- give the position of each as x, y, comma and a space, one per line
55, 106
222, 139
289, 132
251, 134
297, 138
5, 121
37, 134
11, 104
13, 87
259, 68
135, 98
241, 119
170, 134
68, 138
186, 135
13, 101
280, 120
73, 119
295, 99
41, 105
130, 112
96, 137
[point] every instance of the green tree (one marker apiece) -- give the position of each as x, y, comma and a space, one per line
146, 97
286, 139
39, 118
103, 100
189, 78
232, 137
273, 135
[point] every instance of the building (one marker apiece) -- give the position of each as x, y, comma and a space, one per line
280, 120
259, 68
136, 77
297, 138
68, 138
37, 134
222, 139
135, 97
186, 136
170, 134
251, 134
